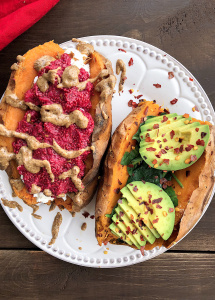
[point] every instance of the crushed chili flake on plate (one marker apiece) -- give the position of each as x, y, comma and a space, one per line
131, 62
174, 101
157, 85
171, 75
121, 50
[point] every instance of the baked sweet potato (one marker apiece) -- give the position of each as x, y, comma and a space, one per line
20, 82
191, 199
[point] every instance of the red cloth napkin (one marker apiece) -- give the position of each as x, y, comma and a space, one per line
16, 16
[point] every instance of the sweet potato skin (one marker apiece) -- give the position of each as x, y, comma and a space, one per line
115, 175
192, 199
11, 116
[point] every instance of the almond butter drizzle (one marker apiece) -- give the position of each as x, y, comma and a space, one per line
11, 204
42, 62
43, 81
53, 113
120, 67
73, 174
55, 227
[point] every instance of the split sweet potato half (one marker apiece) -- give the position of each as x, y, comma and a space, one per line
192, 199
20, 82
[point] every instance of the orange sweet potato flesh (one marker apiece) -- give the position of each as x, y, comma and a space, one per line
191, 199
20, 82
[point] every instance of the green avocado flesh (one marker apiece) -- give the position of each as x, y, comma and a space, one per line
145, 213
172, 142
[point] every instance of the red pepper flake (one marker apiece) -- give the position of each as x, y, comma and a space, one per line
146, 110
155, 126
163, 180
154, 161
157, 85
135, 189
120, 183
171, 210
92, 217
163, 151
159, 154
197, 129
176, 150
191, 79
155, 220
141, 238
174, 101
134, 231
131, 92
134, 104
86, 214
164, 119
163, 134
131, 62
121, 214
181, 148
150, 149
142, 248
203, 134
166, 161
172, 133
130, 166
158, 141
189, 147
157, 200
171, 75
158, 206
193, 157
187, 173
138, 97
165, 140
200, 142
167, 148
121, 50
148, 139
117, 190
130, 103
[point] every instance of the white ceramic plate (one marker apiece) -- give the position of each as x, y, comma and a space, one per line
151, 66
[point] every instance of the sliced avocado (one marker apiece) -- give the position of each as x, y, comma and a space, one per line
115, 230
165, 129
174, 146
140, 208
162, 211
121, 226
130, 227
149, 127
128, 210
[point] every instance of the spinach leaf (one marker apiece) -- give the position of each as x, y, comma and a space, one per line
136, 136
129, 156
169, 190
